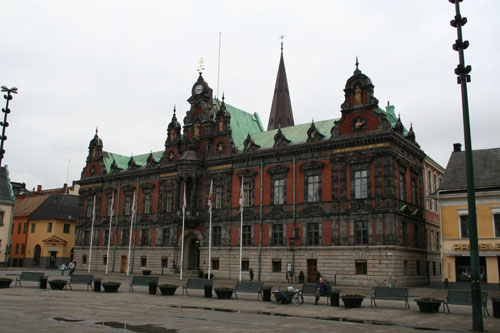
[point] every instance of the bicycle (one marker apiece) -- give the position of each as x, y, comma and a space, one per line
289, 296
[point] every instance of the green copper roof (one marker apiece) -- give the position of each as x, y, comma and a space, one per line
122, 161
296, 134
242, 123
391, 116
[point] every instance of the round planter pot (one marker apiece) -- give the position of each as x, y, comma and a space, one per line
352, 302
224, 294
111, 288
5, 283
167, 290
146, 272
56, 285
429, 306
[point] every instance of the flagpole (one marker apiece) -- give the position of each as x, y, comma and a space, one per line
91, 235
110, 230
130, 233
241, 226
210, 229
182, 235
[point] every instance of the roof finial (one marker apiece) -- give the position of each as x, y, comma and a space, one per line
174, 109
96, 130
222, 97
201, 68
282, 37
357, 63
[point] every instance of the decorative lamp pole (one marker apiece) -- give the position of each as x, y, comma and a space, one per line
4, 123
462, 72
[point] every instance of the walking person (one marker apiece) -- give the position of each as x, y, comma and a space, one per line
72, 267
250, 272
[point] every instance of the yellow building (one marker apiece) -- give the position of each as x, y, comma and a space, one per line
51, 235
452, 196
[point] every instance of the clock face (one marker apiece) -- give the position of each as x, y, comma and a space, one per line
198, 89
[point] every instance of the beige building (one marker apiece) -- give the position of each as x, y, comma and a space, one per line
452, 197
6, 208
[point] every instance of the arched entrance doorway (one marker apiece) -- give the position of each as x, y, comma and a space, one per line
194, 254
192, 243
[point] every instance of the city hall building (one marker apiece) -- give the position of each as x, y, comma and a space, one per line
343, 197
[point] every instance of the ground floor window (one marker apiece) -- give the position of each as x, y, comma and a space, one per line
164, 262
144, 261
215, 264
276, 265
463, 271
361, 267
84, 259
104, 260
245, 265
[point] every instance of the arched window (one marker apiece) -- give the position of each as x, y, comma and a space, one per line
36, 255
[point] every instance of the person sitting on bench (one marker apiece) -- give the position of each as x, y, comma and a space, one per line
321, 290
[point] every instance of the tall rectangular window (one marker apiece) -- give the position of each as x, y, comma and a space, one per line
1, 218
313, 237
106, 237
165, 236
279, 191
127, 205
125, 237
277, 234
144, 261
402, 186
147, 203
245, 265
17, 248
405, 233
169, 206
215, 264
463, 226
248, 193
90, 207
361, 232
219, 197
414, 190
49, 227
415, 235
104, 260
216, 235
19, 228
429, 179
108, 206
360, 184
33, 227
247, 235
23, 248
496, 219
313, 186
25, 228
145, 236
66, 228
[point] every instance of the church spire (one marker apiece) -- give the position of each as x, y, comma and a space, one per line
281, 108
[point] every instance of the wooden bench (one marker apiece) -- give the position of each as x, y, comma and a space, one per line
196, 284
309, 289
143, 280
85, 279
390, 293
464, 297
249, 287
29, 277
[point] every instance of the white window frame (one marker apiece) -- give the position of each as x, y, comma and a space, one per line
461, 212
494, 211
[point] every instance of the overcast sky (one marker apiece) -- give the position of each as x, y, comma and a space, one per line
122, 65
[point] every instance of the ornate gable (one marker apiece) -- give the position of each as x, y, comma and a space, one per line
249, 144
280, 140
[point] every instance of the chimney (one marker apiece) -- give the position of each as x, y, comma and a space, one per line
457, 147
39, 188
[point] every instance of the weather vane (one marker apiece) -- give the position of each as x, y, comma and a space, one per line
201, 68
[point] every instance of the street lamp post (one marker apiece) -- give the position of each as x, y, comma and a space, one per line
462, 72
6, 111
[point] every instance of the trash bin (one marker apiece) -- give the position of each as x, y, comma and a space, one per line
496, 306
266, 294
97, 285
152, 287
334, 297
208, 291
43, 282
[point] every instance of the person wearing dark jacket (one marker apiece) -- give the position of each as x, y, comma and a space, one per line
321, 289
